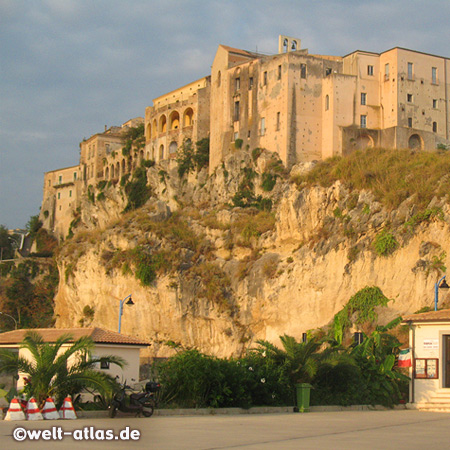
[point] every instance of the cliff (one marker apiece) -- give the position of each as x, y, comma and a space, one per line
209, 266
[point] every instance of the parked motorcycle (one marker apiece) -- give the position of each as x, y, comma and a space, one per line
136, 402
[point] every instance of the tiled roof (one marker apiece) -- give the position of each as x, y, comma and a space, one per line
442, 315
98, 335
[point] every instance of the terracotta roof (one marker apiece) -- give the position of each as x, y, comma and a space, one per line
442, 315
98, 335
239, 51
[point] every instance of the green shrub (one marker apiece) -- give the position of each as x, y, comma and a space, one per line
137, 190
256, 153
385, 243
268, 181
238, 143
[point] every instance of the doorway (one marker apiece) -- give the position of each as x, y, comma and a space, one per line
447, 361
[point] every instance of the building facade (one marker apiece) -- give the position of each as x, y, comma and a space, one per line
303, 106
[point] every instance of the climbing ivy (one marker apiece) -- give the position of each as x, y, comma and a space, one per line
362, 304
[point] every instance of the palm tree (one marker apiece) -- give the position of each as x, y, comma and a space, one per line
56, 369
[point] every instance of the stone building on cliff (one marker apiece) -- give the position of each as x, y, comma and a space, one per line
303, 106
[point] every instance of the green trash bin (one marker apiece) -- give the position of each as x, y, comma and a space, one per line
303, 394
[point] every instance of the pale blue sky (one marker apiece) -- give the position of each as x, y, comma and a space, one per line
70, 67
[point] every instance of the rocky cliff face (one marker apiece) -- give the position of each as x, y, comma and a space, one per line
223, 277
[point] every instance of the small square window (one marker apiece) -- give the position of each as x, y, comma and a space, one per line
370, 70
363, 98
409, 98
410, 122
435, 103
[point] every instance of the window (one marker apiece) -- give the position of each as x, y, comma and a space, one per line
250, 83
435, 103
236, 111
434, 75
265, 78
327, 102
237, 84
302, 70
409, 98
74, 176
60, 179
278, 120
279, 72
70, 193
370, 70
363, 121
426, 368
363, 98
410, 71
434, 127
410, 122
49, 183
263, 126
235, 136
59, 195
386, 72
104, 365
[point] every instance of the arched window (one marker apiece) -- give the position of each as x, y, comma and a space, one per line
161, 152
107, 173
112, 171
148, 132
154, 128
124, 165
173, 147
118, 169
129, 164
188, 117
162, 124
174, 120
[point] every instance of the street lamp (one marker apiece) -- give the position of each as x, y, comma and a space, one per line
438, 286
15, 321
129, 302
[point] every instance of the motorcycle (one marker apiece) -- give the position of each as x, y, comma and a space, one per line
136, 402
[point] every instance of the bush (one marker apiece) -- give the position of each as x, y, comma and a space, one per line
385, 243
137, 190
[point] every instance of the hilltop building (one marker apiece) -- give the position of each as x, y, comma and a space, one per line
303, 106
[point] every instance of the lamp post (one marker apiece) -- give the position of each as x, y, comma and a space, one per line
129, 302
15, 321
441, 284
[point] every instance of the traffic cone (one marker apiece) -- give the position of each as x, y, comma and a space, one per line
33, 412
49, 411
15, 411
67, 410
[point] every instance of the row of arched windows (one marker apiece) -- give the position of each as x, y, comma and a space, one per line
172, 122
120, 168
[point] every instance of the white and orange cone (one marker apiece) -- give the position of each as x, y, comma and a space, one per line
15, 411
33, 412
49, 411
67, 410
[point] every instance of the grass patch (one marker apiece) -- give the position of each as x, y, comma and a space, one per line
392, 175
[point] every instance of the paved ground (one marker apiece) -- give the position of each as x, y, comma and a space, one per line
324, 430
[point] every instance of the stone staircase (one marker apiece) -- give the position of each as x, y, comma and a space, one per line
439, 402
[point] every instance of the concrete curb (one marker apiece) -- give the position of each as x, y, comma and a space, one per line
236, 411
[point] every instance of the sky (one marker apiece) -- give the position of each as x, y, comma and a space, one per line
70, 67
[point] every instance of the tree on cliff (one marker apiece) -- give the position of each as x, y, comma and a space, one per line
59, 369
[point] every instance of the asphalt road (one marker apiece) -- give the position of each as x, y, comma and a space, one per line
316, 430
